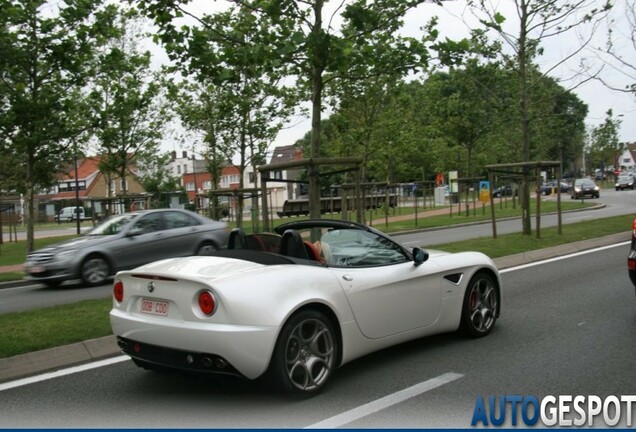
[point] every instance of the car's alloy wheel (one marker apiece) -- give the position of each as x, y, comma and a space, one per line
479, 311
207, 249
306, 353
95, 270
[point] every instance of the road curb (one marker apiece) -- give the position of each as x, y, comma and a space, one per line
48, 360
557, 251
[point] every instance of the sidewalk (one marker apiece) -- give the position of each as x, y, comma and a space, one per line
12, 268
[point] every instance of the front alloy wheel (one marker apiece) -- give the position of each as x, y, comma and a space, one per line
306, 352
480, 308
95, 270
207, 248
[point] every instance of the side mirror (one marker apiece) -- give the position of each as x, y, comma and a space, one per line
419, 256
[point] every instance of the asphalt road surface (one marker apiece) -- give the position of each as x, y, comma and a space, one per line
568, 328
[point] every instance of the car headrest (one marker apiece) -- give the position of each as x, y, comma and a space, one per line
237, 239
292, 245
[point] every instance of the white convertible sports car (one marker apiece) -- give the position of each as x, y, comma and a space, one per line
298, 303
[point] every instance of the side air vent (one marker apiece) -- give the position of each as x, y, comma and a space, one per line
454, 278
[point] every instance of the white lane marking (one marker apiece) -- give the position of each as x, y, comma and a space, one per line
62, 372
572, 255
385, 402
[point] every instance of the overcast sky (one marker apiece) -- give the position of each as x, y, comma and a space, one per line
454, 20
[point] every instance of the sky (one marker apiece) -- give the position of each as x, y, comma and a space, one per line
454, 22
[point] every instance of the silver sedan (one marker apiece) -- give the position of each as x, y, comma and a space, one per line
126, 241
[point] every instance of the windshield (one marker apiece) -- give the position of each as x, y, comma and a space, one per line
112, 225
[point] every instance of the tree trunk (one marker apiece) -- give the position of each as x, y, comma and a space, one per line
316, 99
29, 200
524, 196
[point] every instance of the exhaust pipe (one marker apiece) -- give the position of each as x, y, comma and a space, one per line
123, 345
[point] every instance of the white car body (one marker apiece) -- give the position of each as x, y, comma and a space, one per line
371, 307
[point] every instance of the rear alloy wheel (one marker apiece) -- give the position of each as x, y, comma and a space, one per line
305, 354
479, 312
95, 270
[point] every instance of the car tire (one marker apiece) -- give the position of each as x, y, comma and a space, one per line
305, 354
94, 270
480, 307
207, 248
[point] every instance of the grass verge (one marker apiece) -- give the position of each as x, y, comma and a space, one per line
38, 329
511, 244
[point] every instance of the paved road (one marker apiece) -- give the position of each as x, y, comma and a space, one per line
567, 328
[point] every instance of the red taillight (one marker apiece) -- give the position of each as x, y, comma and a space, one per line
118, 291
207, 304
631, 264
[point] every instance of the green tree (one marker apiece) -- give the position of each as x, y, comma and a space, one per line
619, 51
294, 40
229, 55
156, 180
539, 21
604, 147
126, 104
559, 128
44, 53
196, 104
466, 106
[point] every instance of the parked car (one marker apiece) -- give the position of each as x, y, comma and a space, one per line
126, 241
584, 187
625, 181
548, 187
504, 191
68, 214
279, 305
631, 257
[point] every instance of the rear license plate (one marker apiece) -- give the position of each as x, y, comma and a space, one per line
154, 307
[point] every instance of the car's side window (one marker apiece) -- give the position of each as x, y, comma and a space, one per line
358, 248
149, 223
178, 220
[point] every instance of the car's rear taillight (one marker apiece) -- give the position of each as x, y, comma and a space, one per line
118, 291
207, 303
631, 264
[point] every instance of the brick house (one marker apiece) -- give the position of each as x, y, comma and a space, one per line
93, 189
